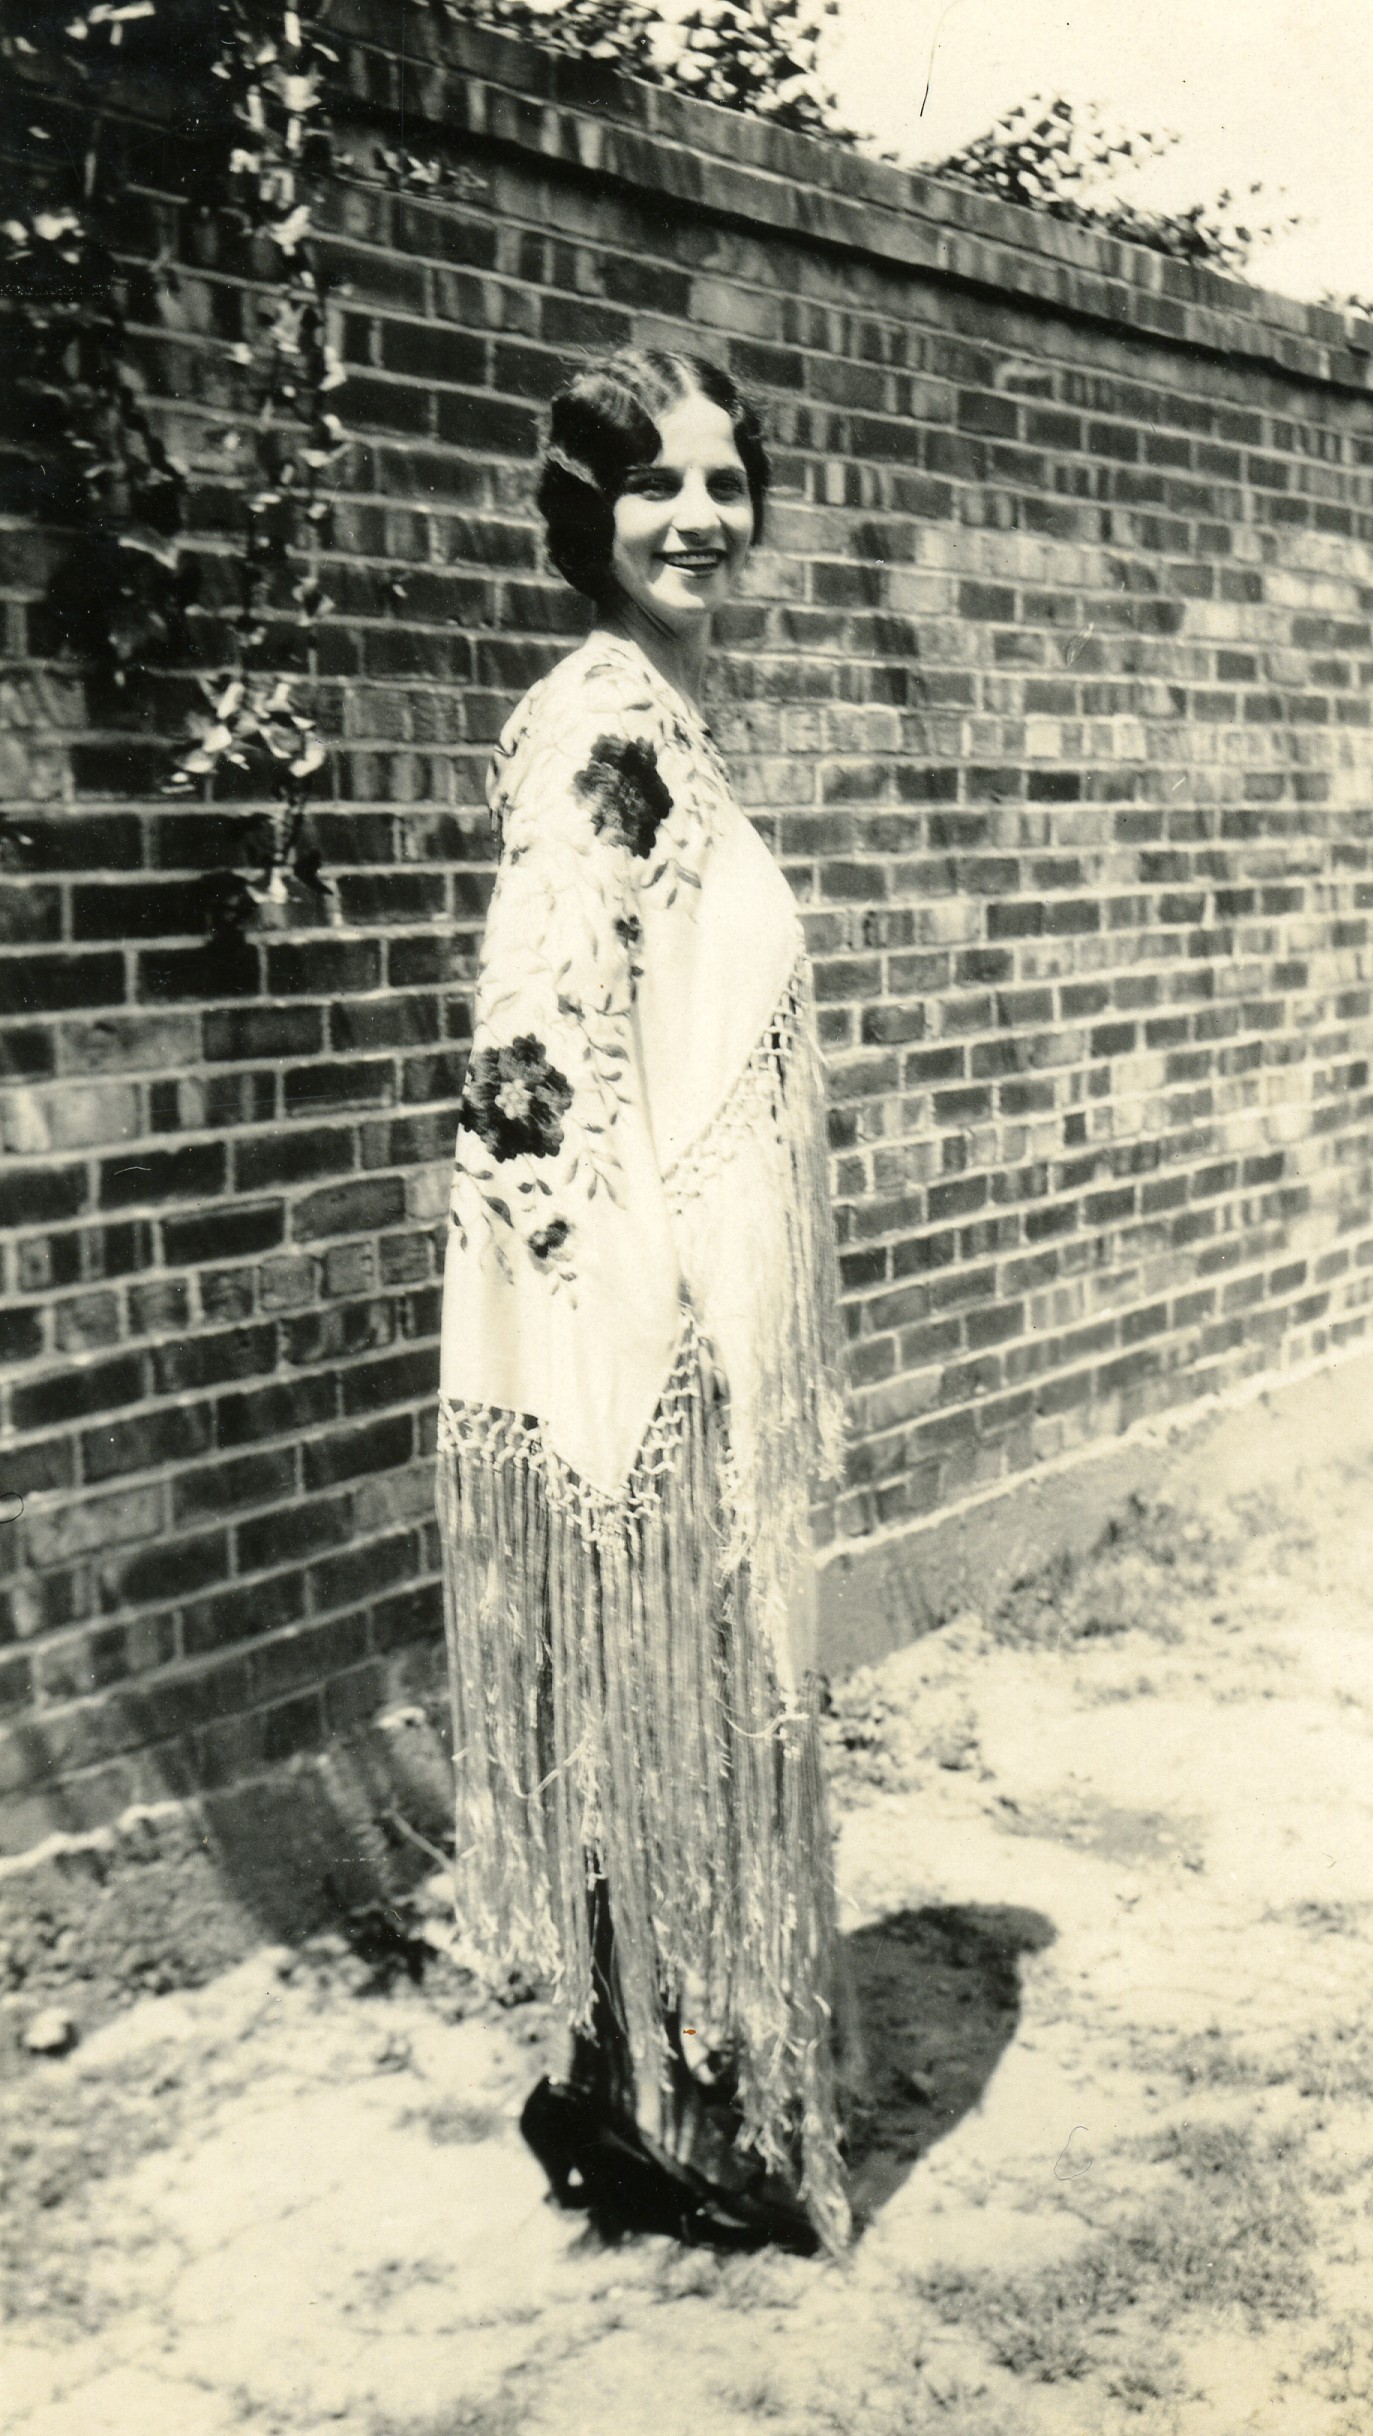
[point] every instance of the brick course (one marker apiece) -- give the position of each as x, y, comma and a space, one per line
1051, 689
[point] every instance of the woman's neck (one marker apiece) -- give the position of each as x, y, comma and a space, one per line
681, 658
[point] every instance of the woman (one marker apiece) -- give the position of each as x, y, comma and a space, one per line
639, 1374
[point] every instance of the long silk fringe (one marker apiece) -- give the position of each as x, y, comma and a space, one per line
618, 1704
767, 1150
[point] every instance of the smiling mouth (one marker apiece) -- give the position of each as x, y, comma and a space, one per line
694, 562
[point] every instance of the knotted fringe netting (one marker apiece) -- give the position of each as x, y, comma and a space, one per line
622, 1705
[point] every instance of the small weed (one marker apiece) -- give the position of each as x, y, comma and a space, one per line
759, 2399
379, 2286
1321, 1919
499, 2417
1335, 2061
1344, 2168
1342, 2367
1105, 1695
1145, 2377
1209, 2059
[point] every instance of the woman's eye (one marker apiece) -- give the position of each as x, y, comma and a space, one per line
727, 486
652, 486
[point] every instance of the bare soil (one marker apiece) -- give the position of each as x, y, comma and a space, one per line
1106, 1860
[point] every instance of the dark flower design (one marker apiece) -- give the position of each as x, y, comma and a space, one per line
546, 1240
514, 1101
625, 789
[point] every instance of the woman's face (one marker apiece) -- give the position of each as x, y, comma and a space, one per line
684, 524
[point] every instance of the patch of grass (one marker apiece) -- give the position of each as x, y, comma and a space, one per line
1332, 2062
1241, 2234
1209, 2059
1335, 2061
1106, 1695
1090, 1825
1233, 2232
63, 2131
1144, 1566
1320, 1919
1341, 2368
1145, 2377
1282, 1529
451, 2124
763, 2279
498, 2417
760, 2398
685, 2275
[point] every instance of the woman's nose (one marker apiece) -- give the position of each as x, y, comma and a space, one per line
696, 509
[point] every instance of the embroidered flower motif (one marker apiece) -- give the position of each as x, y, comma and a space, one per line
625, 789
514, 1101
546, 1240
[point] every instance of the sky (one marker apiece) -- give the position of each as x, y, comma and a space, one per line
1275, 90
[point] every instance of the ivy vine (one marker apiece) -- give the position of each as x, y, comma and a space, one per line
97, 459
254, 723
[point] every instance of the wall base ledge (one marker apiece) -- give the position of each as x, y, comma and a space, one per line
878, 1594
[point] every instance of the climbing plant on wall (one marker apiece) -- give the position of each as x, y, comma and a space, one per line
92, 455
276, 146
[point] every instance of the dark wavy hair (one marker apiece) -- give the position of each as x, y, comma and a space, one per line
602, 424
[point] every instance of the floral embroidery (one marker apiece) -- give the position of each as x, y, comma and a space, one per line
546, 1240
625, 789
604, 800
515, 1101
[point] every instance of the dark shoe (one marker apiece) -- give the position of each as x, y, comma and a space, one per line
559, 2125
753, 2220
632, 2187
627, 2184
635, 2186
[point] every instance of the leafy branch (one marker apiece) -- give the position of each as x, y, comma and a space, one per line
757, 56
1053, 157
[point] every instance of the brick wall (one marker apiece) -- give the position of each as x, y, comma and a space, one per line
1051, 689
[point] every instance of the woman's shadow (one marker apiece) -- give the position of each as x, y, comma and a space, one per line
936, 1993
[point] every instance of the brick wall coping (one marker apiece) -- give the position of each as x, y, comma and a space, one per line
447, 76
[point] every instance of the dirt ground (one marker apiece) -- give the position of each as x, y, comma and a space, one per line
1106, 1860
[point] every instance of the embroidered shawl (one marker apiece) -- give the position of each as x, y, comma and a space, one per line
639, 1388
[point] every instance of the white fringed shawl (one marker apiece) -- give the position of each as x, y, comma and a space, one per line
639, 1386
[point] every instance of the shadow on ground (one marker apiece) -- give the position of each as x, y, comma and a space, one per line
937, 1994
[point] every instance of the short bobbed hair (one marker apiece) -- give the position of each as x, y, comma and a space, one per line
602, 424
